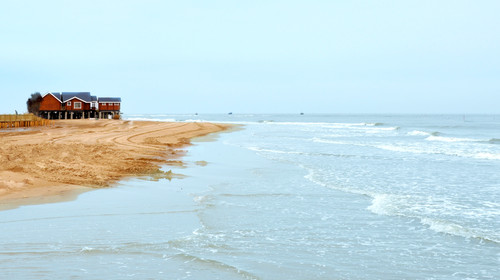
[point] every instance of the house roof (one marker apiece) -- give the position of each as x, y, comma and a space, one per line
57, 95
83, 96
110, 99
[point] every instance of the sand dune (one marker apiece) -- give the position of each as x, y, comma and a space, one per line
89, 153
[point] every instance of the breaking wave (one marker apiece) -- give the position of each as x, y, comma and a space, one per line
413, 207
494, 141
423, 133
272, 151
449, 139
418, 148
211, 263
409, 207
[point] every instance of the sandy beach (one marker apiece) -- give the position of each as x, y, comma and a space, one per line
75, 155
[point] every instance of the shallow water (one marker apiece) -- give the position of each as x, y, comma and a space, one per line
288, 197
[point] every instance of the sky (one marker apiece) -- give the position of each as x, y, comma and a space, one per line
256, 56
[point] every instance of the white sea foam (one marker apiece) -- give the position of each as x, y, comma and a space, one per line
447, 151
407, 205
484, 155
361, 128
200, 198
256, 149
422, 208
384, 204
414, 207
385, 128
404, 149
312, 176
452, 228
87, 249
389, 147
328, 124
338, 135
450, 139
377, 130
423, 133
465, 152
320, 140
418, 133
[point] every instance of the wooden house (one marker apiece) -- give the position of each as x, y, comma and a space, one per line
71, 105
51, 102
76, 101
109, 105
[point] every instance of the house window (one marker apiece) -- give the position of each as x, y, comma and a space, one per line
116, 104
69, 103
78, 105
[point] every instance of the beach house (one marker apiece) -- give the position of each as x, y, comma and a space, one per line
78, 105
109, 105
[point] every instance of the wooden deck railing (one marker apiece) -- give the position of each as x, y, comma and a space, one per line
25, 120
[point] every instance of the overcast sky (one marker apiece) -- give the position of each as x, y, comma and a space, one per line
256, 56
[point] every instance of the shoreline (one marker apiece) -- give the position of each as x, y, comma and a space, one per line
53, 164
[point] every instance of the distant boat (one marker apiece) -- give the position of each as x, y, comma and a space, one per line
301, 113
230, 113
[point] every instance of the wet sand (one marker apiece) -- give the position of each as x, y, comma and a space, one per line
49, 164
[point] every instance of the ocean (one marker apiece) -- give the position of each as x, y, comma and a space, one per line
285, 197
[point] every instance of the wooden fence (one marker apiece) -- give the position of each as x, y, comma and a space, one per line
25, 120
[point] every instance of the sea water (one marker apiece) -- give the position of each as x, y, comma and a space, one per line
285, 197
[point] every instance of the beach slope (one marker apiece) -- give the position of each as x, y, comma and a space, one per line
73, 154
